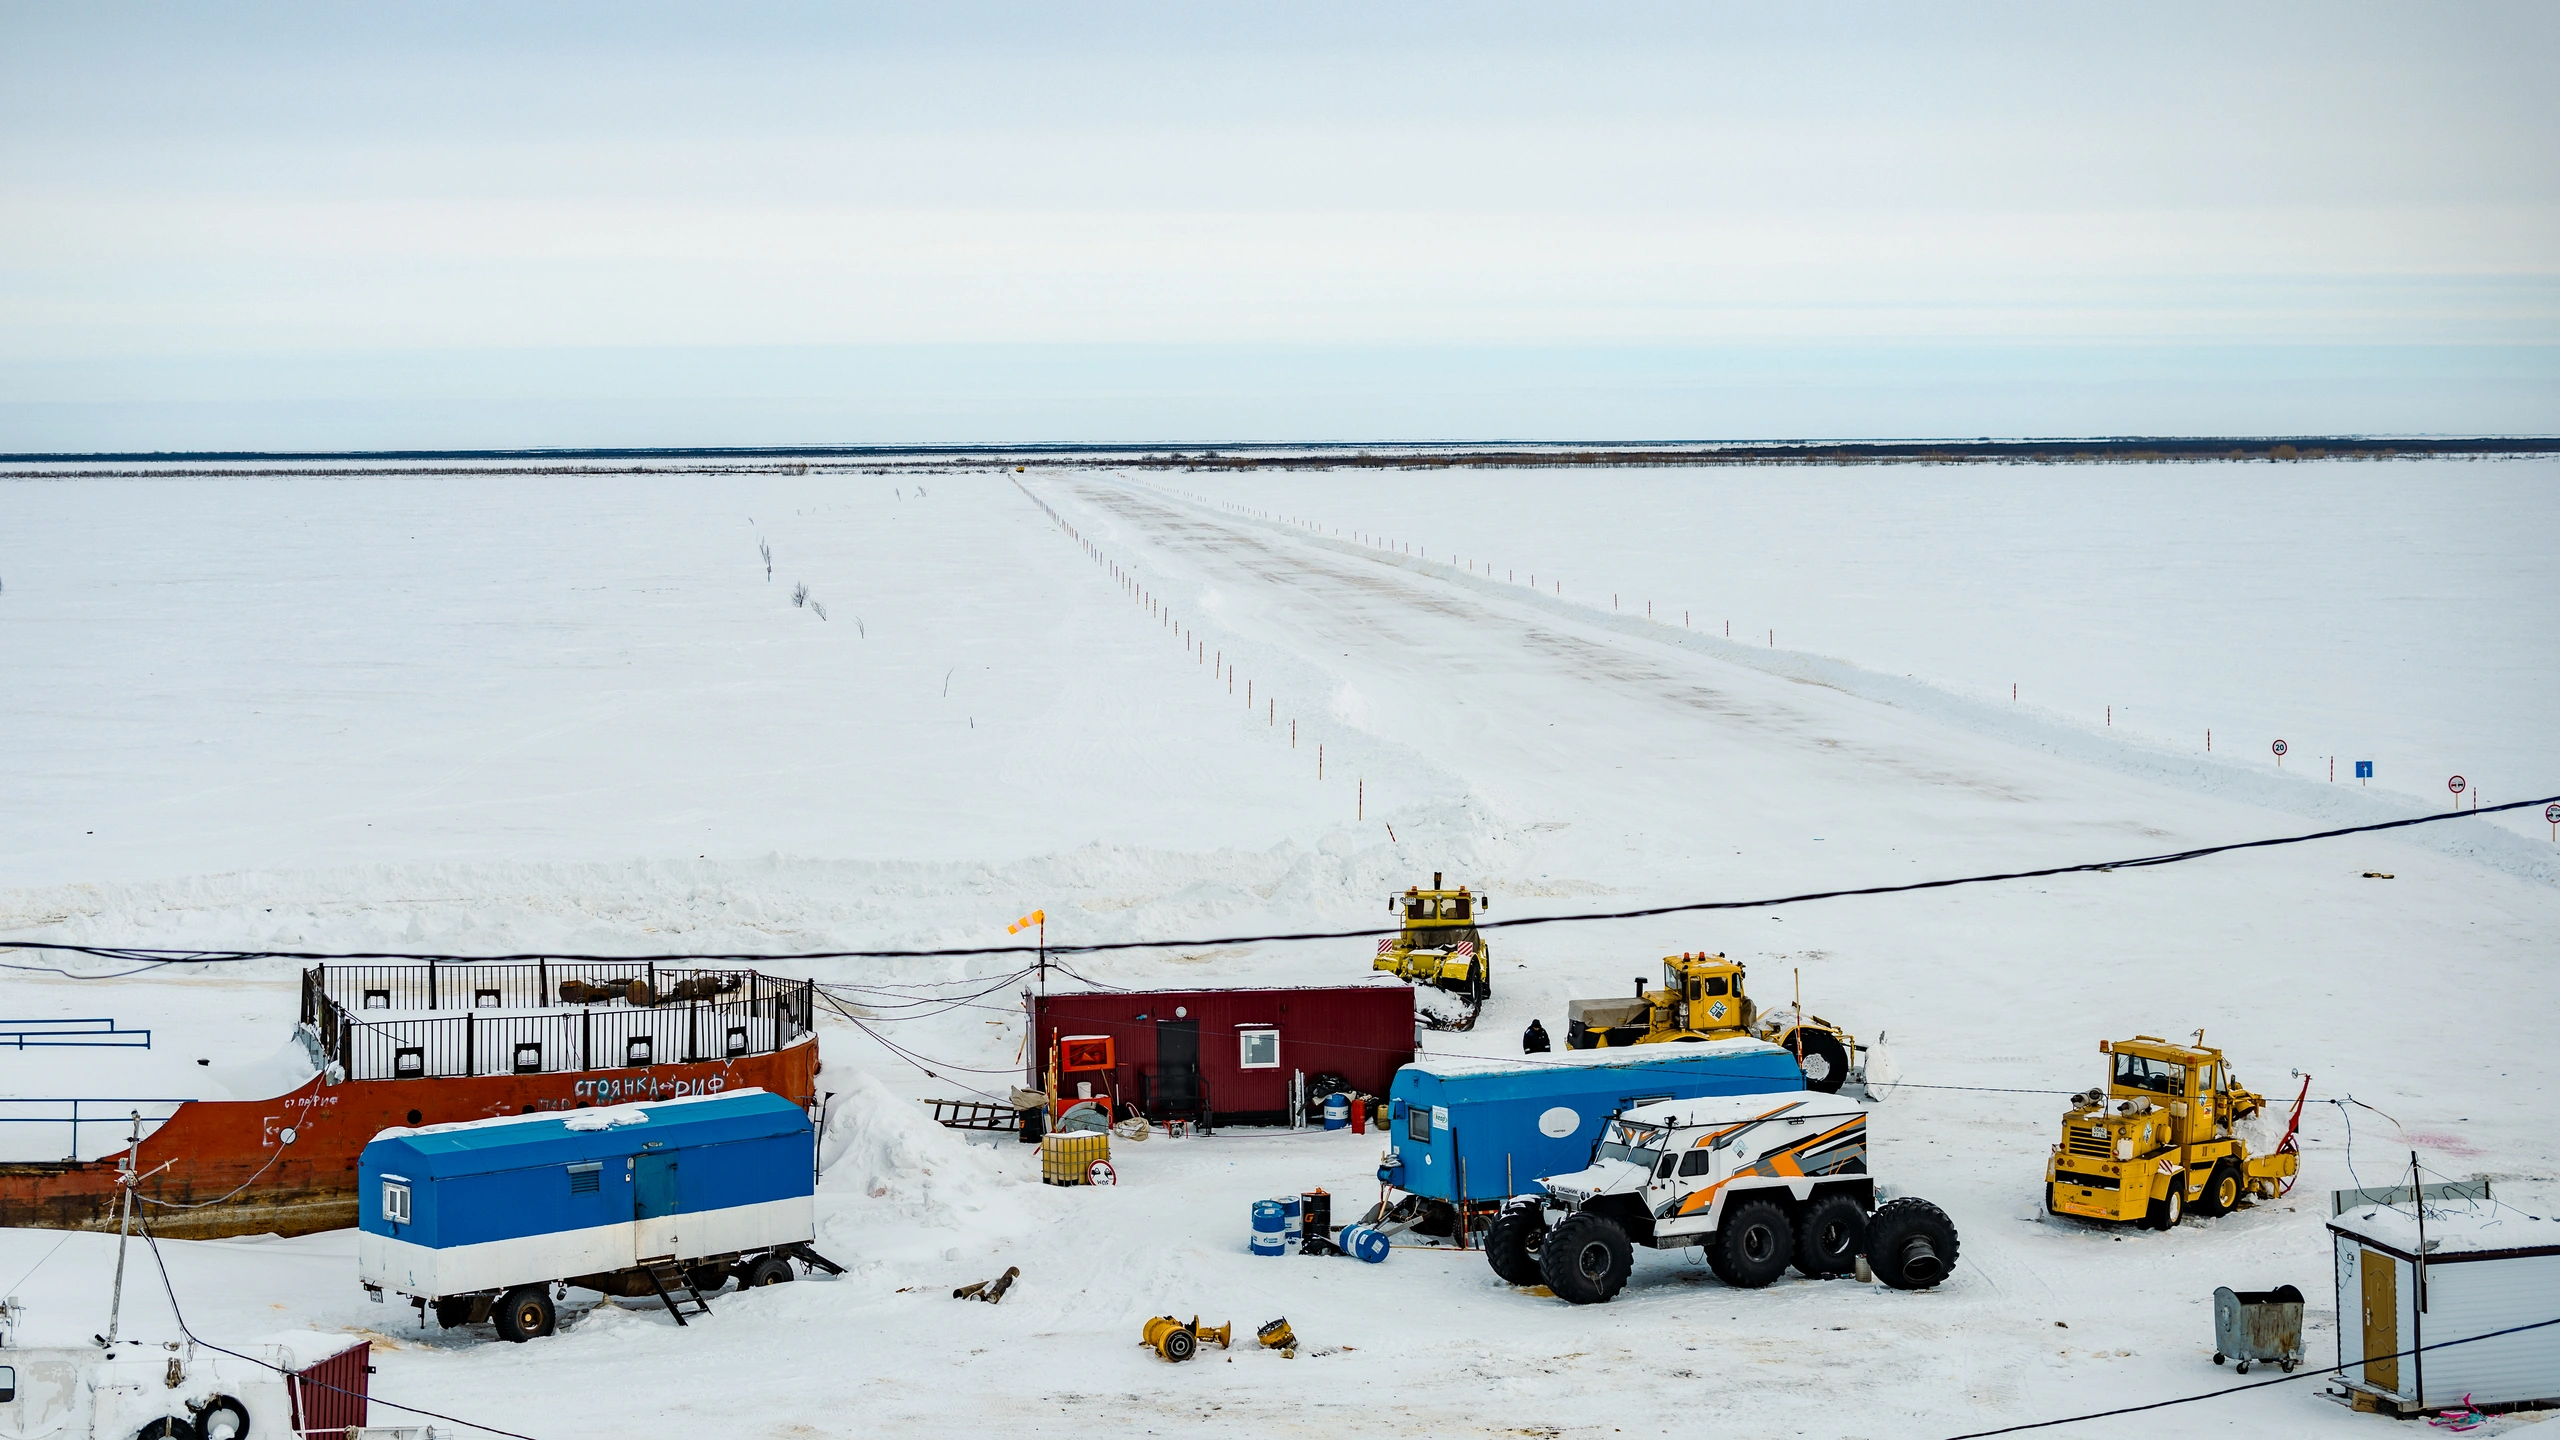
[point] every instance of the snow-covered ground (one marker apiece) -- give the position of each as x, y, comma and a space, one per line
482, 714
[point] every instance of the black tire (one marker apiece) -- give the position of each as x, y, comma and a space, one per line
1181, 1345
452, 1311
1753, 1245
1911, 1244
1586, 1259
708, 1278
1830, 1235
1825, 1059
223, 1418
771, 1270
1480, 982
1512, 1245
168, 1427
2167, 1211
525, 1312
2222, 1191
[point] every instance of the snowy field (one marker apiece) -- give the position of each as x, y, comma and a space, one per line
509, 713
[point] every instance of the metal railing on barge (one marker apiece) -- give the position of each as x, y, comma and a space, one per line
599, 1017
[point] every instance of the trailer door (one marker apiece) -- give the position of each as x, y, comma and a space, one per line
653, 1198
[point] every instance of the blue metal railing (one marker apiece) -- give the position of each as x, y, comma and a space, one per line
109, 1123
52, 1034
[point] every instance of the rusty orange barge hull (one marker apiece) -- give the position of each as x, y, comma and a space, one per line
287, 1166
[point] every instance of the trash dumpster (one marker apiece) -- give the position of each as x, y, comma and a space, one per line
2254, 1325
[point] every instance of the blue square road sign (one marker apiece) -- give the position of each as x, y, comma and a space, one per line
2364, 769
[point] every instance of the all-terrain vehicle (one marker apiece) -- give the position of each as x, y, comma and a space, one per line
1759, 1181
2161, 1138
1440, 946
1701, 999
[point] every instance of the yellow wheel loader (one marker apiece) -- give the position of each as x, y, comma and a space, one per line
2161, 1138
1702, 999
1440, 946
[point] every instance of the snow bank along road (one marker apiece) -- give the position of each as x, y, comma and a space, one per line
470, 716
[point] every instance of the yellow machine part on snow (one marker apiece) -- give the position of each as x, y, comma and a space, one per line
1439, 944
1702, 999
2161, 1138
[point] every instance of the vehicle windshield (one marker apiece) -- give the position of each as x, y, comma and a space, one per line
1641, 1146
2160, 1077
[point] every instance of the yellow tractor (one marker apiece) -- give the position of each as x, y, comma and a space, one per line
1439, 944
1702, 999
2161, 1137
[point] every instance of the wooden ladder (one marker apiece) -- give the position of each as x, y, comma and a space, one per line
674, 1287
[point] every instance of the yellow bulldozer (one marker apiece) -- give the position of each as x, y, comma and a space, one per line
1439, 945
1702, 999
2161, 1138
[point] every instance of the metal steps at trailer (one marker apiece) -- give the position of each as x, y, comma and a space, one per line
674, 1287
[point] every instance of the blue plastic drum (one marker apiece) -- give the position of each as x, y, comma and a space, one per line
1292, 1218
1337, 1112
1268, 1243
1363, 1242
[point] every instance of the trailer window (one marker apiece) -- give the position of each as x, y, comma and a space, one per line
395, 1202
1417, 1123
1258, 1049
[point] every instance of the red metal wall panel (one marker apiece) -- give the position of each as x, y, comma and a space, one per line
333, 1394
1363, 1033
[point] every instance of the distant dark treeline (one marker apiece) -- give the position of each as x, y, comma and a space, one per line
873, 458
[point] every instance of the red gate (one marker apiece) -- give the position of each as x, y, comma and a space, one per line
330, 1396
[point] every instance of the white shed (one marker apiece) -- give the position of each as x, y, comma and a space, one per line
2487, 1267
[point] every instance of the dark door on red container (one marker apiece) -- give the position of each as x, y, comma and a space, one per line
1177, 1089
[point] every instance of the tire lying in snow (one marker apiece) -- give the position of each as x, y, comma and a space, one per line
1512, 1245
1586, 1259
1911, 1244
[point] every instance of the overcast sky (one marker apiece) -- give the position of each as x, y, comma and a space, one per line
624, 224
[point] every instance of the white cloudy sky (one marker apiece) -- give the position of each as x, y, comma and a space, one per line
619, 223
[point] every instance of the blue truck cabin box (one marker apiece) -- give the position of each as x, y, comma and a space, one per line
1503, 1123
463, 1209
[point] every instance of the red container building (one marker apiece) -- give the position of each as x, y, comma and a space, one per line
1228, 1056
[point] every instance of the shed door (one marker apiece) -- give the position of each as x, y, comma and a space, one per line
1177, 1079
653, 1186
2381, 1319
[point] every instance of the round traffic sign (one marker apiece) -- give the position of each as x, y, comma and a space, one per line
2552, 813
2455, 784
2282, 747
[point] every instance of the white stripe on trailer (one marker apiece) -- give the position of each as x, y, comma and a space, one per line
409, 1268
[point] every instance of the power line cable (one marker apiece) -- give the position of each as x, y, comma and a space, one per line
2240, 1389
147, 958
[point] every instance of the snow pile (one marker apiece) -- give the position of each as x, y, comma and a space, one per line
612, 1117
893, 1184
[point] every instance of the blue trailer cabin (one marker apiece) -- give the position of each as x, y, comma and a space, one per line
1502, 1123
471, 1208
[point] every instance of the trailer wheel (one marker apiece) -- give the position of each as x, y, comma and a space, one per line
1829, 1236
453, 1311
1826, 1061
1753, 1245
223, 1418
771, 1270
1911, 1244
168, 1427
525, 1312
1513, 1242
708, 1278
1586, 1259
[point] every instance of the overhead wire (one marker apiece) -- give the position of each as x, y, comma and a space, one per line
147, 958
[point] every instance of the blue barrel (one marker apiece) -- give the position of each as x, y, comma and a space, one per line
1268, 1243
1363, 1242
1293, 1217
1337, 1112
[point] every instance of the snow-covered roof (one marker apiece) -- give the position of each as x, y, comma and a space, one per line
1731, 1109
2453, 1227
1446, 1065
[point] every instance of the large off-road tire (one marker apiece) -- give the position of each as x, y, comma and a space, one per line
1512, 1245
1911, 1244
2222, 1191
1753, 1245
222, 1418
1586, 1259
1830, 1235
2167, 1211
1826, 1060
525, 1312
